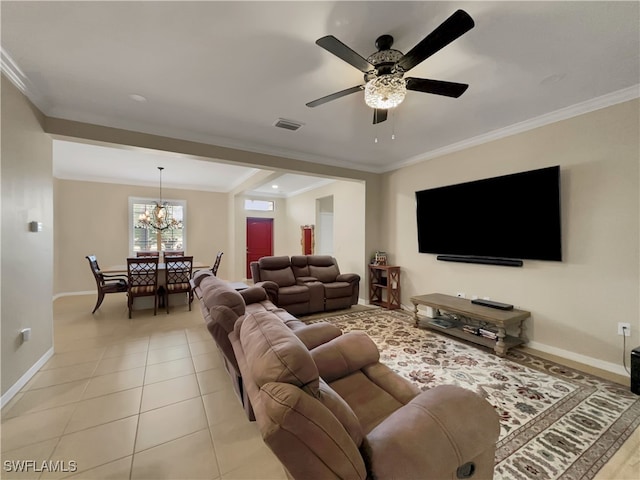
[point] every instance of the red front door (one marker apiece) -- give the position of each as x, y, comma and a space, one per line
259, 240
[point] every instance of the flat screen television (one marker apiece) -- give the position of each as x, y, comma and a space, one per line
513, 216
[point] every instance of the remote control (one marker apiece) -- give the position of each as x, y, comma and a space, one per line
492, 304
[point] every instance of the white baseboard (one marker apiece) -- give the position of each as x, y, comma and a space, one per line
559, 352
22, 381
71, 294
577, 357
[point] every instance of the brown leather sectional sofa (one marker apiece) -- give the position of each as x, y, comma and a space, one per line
329, 409
304, 284
222, 307
336, 412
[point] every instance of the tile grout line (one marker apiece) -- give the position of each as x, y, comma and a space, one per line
135, 436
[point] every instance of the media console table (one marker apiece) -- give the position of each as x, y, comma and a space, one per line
477, 315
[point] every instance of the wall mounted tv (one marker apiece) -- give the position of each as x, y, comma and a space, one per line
513, 216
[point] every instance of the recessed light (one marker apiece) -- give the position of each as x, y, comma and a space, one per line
137, 98
274, 186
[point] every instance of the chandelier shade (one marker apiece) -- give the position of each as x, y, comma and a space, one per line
385, 91
160, 217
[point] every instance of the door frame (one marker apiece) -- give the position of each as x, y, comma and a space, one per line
248, 220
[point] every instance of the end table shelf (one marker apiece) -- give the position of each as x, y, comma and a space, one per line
499, 319
384, 286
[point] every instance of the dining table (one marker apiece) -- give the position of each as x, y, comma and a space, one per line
147, 302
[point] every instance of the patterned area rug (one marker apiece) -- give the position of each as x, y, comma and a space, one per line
556, 422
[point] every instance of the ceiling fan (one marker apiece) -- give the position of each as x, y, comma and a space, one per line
383, 70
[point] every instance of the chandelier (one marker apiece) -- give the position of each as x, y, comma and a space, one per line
385, 91
160, 218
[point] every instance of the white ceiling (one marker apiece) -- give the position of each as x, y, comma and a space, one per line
137, 166
223, 72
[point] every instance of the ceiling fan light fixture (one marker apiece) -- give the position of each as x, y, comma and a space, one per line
385, 91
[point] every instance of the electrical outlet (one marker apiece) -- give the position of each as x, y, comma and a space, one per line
474, 297
624, 329
461, 295
486, 298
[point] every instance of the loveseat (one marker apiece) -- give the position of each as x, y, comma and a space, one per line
306, 284
336, 412
222, 306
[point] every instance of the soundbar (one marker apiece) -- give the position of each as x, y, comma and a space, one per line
507, 262
492, 304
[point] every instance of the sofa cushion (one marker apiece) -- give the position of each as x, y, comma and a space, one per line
201, 275
275, 354
342, 411
283, 276
293, 294
325, 274
337, 289
310, 441
299, 266
321, 260
215, 292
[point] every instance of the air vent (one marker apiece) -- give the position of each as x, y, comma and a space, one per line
288, 124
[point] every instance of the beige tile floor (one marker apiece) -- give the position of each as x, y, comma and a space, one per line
148, 398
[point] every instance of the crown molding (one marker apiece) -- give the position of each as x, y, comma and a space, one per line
15, 74
591, 105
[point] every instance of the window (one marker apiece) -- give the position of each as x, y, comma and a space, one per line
258, 205
143, 239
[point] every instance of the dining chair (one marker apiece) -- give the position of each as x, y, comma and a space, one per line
143, 280
105, 283
147, 254
173, 253
216, 263
178, 270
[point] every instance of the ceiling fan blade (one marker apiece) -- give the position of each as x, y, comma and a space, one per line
453, 27
379, 115
340, 50
335, 96
448, 89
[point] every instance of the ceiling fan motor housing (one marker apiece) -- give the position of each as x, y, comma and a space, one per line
384, 59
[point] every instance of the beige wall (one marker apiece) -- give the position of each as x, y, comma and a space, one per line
348, 224
576, 304
92, 218
27, 257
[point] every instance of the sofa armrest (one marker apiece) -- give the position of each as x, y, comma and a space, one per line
345, 354
317, 334
438, 432
253, 295
395, 385
271, 288
348, 277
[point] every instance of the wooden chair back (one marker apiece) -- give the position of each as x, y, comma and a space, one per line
143, 280
147, 254
216, 263
178, 273
173, 253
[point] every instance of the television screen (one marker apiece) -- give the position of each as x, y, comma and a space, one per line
514, 216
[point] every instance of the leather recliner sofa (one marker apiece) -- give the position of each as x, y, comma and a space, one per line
306, 284
336, 412
222, 307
